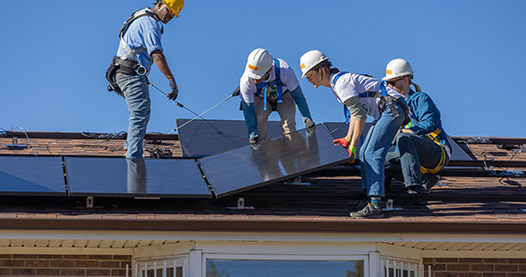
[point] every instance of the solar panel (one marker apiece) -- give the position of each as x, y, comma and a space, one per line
201, 138
339, 130
32, 176
135, 177
272, 161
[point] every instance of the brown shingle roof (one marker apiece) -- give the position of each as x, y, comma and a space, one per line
465, 200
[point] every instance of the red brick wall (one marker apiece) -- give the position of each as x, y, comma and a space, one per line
475, 267
64, 265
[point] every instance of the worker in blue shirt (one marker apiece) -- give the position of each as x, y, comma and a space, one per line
423, 146
140, 46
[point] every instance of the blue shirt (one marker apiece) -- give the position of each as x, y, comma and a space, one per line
425, 116
143, 31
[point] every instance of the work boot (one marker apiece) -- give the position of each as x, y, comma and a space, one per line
359, 207
429, 181
368, 212
416, 190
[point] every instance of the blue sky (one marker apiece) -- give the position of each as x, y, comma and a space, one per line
468, 55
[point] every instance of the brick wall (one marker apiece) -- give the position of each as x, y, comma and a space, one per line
64, 265
475, 267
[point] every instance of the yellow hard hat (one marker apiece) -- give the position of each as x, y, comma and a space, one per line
176, 6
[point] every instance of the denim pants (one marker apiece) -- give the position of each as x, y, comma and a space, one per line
413, 151
375, 147
137, 97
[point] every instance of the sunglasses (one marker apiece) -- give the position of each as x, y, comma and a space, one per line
393, 82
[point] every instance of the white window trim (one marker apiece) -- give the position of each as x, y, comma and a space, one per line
171, 262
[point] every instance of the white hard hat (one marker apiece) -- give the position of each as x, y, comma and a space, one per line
258, 63
310, 60
397, 68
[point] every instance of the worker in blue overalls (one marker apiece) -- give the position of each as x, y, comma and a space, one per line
423, 146
363, 95
140, 46
268, 85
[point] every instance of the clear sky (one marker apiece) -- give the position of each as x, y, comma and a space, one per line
470, 56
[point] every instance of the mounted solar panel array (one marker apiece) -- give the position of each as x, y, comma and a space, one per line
135, 178
220, 174
32, 176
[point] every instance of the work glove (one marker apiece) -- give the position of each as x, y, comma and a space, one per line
342, 141
236, 92
352, 153
175, 90
345, 143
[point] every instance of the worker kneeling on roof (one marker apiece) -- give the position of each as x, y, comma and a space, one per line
423, 146
268, 85
140, 46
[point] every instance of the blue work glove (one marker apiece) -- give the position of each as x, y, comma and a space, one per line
175, 90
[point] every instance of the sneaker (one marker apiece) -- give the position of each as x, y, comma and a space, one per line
416, 190
429, 180
368, 212
359, 207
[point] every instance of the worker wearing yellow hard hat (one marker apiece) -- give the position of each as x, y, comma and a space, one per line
140, 46
423, 146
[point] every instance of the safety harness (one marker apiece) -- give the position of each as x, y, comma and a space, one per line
385, 100
128, 63
434, 137
279, 85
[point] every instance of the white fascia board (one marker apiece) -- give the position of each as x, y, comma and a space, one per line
261, 236
65, 251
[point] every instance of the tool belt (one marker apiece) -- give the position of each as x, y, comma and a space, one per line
388, 100
118, 65
274, 102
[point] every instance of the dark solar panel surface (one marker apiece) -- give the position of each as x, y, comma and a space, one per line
135, 177
272, 161
32, 175
201, 138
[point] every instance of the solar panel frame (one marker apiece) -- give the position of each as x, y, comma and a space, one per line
228, 173
32, 176
118, 177
201, 138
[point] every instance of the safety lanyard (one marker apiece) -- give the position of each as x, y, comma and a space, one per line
277, 82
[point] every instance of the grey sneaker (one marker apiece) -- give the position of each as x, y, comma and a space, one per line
362, 205
429, 181
368, 212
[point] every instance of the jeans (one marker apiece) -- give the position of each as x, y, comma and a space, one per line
374, 150
137, 97
413, 151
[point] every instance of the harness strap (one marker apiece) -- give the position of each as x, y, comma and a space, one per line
277, 82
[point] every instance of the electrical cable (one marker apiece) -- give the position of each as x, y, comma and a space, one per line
197, 115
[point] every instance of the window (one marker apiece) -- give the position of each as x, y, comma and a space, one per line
161, 268
283, 268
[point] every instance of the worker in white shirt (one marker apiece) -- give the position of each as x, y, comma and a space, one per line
269, 84
363, 96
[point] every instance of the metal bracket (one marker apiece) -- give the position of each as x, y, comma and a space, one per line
389, 206
89, 202
241, 205
297, 181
